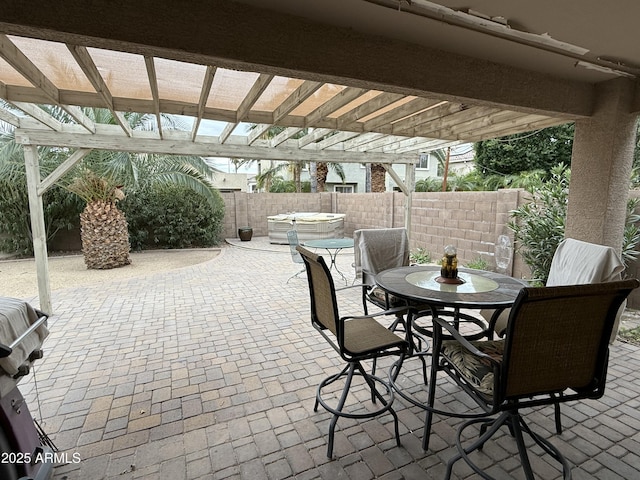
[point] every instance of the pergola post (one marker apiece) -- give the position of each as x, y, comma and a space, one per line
407, 186
38, 230
410, 180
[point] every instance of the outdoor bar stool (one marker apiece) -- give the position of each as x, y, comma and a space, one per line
556, 349
356, 339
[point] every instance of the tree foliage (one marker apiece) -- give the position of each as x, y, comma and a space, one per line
130, 171
540, 150
172, 216
539, 225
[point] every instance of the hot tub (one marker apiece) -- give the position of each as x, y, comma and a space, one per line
310, 226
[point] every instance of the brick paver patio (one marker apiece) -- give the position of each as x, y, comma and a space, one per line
210, 371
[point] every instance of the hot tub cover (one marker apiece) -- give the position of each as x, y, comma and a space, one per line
306, 217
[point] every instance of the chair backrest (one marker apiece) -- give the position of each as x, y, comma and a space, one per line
558, 338
292, 236
379, 249
576, 262
324, 308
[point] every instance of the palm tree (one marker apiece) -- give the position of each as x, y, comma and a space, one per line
378, 174
102, 178
103, 226
322, 170
266, 177
104, 175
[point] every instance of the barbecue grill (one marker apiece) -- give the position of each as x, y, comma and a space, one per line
25, 450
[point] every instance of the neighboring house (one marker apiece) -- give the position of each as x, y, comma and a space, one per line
229, 182
462, 158
460, 161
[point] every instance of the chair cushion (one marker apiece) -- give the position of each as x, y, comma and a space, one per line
477, 371
377, 296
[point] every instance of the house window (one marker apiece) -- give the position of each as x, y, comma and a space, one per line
343, 188
423, 160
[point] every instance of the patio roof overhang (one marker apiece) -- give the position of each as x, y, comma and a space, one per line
341, 120
403, 109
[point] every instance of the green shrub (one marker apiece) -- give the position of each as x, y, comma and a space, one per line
478, 264
61, 212
172, 216
420, 255
539, 225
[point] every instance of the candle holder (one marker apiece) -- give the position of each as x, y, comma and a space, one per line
449, 267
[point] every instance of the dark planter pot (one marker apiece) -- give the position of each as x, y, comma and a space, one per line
245, 233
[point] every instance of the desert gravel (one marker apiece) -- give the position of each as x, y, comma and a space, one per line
18, 277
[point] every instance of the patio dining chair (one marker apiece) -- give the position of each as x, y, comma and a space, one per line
574, 262
555, 349
356, 339
375, 250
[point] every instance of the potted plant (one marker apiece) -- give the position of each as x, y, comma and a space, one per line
245, 233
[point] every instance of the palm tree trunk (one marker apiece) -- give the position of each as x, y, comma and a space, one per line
105, 237
378, 174
322, 170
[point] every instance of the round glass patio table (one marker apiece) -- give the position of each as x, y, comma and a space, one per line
333, 246
479, 289
417, 284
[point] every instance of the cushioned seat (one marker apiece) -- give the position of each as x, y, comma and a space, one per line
477, 370
574, 262
356, 339
555, 349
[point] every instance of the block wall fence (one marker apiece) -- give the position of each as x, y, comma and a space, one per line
472, 221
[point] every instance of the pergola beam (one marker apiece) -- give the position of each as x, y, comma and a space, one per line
9, 117
153, 85
314, 136
349, 120
62, 169
204, 96
144, 142
283, 136
341, 99
408, 109
38, 229
258, 88
39, 114
84, 60
30, 71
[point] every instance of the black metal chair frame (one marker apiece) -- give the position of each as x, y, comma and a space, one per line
292, 238
326, 320
588, 308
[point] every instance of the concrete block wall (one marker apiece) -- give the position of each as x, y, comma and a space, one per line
371, 210
466, 220
472, 221
252, 209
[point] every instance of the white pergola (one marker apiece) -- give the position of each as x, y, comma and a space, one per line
359, 77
